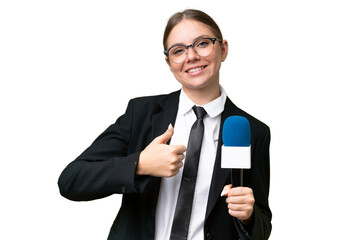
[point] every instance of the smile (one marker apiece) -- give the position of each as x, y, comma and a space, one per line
192, 70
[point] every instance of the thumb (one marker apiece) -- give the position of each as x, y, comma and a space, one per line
226, 190
162, 139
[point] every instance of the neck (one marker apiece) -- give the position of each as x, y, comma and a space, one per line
203, 96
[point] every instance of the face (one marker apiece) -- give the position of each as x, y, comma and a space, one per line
196, 72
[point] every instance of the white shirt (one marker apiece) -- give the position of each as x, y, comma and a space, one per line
169, 188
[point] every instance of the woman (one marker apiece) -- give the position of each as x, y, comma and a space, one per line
142, 154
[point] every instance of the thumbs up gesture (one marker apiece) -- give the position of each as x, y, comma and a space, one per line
159, 159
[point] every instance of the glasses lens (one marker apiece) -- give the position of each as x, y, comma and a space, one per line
177, 54
203, 47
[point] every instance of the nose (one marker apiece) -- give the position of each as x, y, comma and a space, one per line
191, 54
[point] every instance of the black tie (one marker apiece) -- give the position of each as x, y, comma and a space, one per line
180, 227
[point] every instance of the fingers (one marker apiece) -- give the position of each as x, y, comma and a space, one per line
180, 157
178, 149
175, 168
165, 137
159, 159
240, 191
226, 190
240, 201
240, 195
243, 216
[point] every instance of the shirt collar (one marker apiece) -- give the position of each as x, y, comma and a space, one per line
213, 108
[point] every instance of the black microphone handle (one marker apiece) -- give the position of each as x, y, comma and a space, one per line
237, 177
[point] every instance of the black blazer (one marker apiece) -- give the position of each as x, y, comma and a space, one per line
108, 166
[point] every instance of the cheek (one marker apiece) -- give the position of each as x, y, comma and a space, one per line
176, 68
216, 62
215, 57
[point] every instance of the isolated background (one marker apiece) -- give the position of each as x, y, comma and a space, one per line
68, 69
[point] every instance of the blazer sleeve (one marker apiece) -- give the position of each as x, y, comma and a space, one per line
104, 168
260, 183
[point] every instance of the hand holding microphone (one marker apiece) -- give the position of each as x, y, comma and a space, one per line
236, 154
159, 159
240, 202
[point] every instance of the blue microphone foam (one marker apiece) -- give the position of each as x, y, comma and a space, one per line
236, 132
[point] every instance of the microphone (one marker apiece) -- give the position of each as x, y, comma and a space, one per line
236, 151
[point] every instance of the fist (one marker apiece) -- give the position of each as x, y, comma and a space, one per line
159, 159
240, 201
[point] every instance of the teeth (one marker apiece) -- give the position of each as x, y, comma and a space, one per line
195, 69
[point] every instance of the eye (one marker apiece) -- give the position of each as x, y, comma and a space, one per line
177, 50
202, 43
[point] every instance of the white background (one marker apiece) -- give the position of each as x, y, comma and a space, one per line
68, 69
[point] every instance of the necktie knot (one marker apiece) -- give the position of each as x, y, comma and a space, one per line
199, 112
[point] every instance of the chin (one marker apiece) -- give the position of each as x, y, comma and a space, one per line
196, 86
201, 82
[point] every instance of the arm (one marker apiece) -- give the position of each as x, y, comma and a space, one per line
105, 167
108, 166
260, 183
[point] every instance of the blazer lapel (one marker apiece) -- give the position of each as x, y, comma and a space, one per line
166, 113
220, 175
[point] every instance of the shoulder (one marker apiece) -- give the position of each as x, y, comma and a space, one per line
257, 126
155, 99
152, 104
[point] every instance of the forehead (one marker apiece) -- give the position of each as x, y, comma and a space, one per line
187, 31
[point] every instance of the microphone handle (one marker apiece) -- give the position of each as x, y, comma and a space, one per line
237, 177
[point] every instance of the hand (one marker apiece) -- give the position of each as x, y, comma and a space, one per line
240, 202
159, 159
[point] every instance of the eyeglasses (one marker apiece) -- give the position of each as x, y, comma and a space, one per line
202, 47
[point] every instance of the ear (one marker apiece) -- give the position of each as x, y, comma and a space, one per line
224, 50
167, 60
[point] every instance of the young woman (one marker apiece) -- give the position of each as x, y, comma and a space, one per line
143, 154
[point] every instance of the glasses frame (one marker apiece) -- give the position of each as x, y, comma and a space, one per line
213, 40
